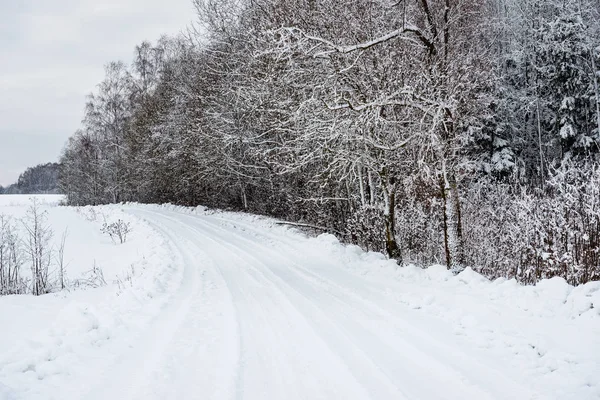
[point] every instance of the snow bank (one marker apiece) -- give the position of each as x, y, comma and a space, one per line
549, 298
549, 332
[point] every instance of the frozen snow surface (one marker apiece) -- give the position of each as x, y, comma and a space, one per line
213, 305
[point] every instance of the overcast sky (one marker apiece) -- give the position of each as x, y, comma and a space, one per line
52, 55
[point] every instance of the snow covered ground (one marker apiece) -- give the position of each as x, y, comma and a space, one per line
233, 306
50, 345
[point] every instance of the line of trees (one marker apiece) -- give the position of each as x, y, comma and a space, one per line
11, 189
439, 131
41, 179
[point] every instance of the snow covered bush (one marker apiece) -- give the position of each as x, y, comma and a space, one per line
117, 230
573, 213
490, 247
419, 228
89, 213
11, 259
365, 228
514, 232
93, 278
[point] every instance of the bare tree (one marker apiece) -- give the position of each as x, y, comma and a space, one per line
11, 281
38, 247
60, 260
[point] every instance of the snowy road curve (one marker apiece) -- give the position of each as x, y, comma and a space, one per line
259, 315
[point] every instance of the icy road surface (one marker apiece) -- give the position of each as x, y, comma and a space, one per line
262, 312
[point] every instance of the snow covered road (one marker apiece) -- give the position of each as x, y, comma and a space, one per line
260, 311
263, 316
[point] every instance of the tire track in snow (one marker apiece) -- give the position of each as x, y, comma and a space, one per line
368, 334
242, 274
356, 333
490, 341
419, 339
303, 336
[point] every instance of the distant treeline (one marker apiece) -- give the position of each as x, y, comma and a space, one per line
41, 179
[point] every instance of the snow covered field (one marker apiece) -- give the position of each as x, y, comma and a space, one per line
203, 305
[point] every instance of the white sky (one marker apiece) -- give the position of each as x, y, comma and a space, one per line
52, 54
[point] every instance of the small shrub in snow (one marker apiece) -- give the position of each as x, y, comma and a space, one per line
362, 225
89, 213
117, 230
126, 280
93, 278
533, 235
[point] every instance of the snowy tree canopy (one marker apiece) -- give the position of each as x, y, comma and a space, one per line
464, 133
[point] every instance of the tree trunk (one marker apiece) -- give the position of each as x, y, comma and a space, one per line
361, 185
371, 188
243, 196
459, 255
452, 221
596, 92
539, 132
391, 246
